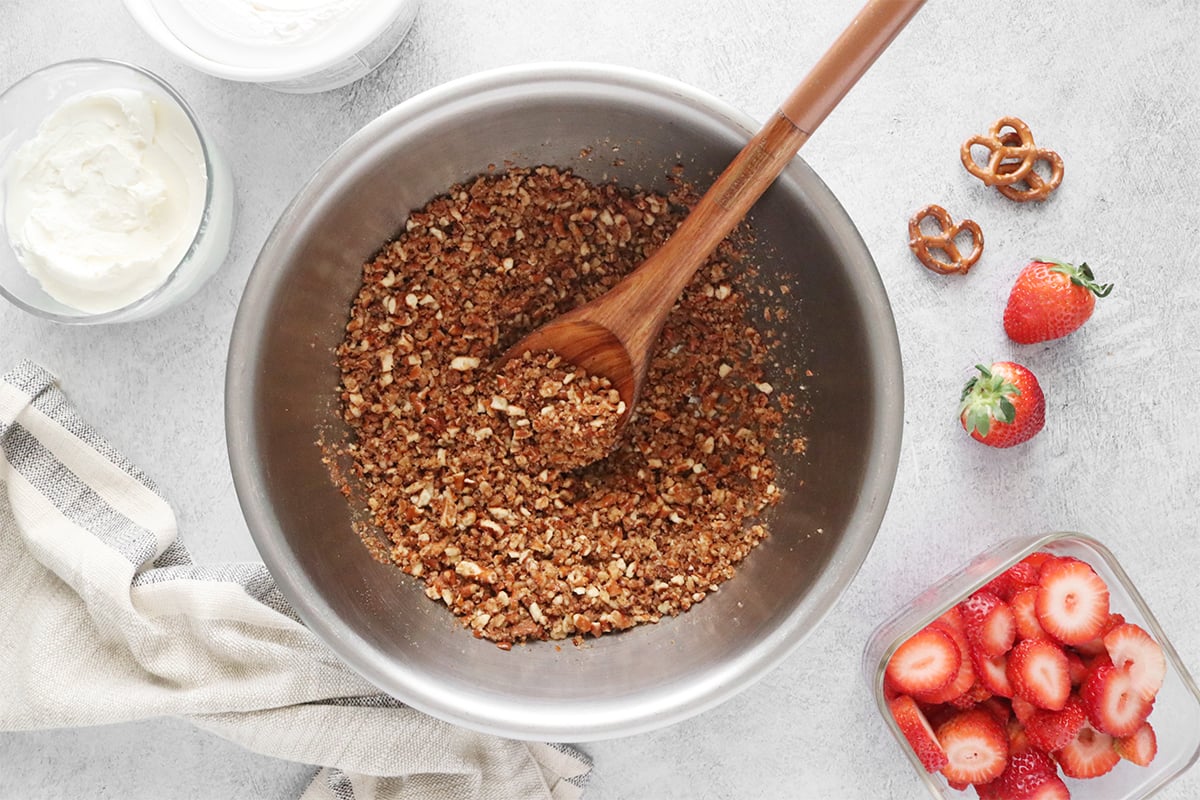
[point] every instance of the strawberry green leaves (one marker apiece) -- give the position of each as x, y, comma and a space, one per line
1003, 405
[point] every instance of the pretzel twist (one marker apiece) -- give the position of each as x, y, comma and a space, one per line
1037, 187
1011, 153
922, 244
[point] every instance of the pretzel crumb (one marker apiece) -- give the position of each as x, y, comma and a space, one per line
577, 415
445, 452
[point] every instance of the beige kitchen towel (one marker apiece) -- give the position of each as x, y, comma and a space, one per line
105, 618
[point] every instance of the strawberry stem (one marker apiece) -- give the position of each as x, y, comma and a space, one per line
1081, 276
987, 397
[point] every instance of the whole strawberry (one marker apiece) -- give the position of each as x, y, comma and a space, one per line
1003, 405
1051, 299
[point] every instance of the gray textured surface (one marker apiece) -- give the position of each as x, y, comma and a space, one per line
1112, 87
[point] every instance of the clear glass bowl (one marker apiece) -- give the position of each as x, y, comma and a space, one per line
1176, 715
24, 106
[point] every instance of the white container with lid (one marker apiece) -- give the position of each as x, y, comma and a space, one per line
298, 46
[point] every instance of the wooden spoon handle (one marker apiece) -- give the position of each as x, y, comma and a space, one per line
650, 292
867, 36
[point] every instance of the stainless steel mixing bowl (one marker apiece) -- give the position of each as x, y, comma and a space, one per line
281, 394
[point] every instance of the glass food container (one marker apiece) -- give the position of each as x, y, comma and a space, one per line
1176, 714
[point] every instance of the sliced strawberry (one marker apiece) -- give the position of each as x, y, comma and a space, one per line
975, 608
1050, 558
989, 622
955, 691
992, 673
917, 731
1052, 788
976, 747
1024, 608
937, 713
1048, 787
1003, 586
962, 702
1022, 709
1052, 730
971, 697
1114, 704
1089, 755
952, 619
964, 679
1134, 650
1022, 575
1035, 562
1072, 601
1029, 763
1026, 771
1095, 646
1100, 659
999, 708
1077, 669
1039, 673
926, 662
1018, 741
1140, 747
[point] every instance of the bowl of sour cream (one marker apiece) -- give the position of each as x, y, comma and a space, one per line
114, 204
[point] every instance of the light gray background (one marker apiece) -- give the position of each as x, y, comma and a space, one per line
1111, 86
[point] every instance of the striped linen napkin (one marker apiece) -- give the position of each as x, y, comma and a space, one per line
104, 618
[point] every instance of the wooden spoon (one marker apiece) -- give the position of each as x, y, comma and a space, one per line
614, 335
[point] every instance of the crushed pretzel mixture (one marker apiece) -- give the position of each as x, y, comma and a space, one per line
512, 543
574, 416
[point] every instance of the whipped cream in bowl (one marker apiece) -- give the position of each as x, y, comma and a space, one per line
113, 204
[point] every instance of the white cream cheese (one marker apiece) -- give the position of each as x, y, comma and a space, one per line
257, 32
105, 200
